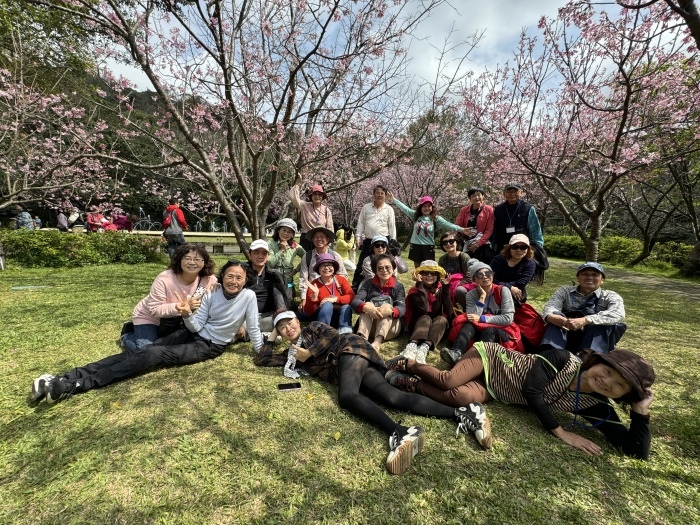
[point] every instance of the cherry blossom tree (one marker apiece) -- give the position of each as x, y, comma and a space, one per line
587, 106
258, 95
685, 9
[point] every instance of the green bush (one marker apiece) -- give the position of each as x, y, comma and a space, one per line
565, 246
675, 253
618, 250
55, 249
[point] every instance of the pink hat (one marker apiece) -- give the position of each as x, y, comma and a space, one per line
426, 199
316, 188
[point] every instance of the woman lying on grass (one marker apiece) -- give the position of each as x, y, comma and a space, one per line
553, 380
208, 333
351, 362
191, 275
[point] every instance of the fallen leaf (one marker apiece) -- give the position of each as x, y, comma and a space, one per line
336, 436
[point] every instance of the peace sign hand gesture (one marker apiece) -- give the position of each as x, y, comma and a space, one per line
182, 305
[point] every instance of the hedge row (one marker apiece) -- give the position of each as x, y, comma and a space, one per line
617, 250
55, 249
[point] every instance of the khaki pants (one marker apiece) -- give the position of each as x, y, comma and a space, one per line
428, 329
388, 327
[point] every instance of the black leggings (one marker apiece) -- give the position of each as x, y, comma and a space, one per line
468, 332
357, 373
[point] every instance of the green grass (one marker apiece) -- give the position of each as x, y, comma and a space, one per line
216, 443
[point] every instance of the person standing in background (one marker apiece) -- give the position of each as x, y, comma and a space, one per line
376, 218
175, 224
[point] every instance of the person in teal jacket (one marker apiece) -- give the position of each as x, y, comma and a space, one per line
426, 218
283, 249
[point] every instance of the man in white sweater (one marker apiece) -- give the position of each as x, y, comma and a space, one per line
210, 330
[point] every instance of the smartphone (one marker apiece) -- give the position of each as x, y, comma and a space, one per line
284, 387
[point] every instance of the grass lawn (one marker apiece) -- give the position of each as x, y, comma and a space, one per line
217, 443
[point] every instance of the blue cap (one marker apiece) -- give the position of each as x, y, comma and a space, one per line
592, 265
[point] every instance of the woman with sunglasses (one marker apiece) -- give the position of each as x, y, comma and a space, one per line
514, 267
555, 380
426, 219
428, 310
190, 274
380, 302
380, 246
456, 263
488, 316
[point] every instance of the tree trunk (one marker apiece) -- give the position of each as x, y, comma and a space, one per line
692, 265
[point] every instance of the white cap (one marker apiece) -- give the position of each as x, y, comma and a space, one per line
259, 243
287, 314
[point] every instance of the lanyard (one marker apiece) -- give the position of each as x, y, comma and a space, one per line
515, 212
331, 290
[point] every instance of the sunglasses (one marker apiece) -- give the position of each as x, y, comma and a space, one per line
484, 275
519, 247
379, 245
426, 274
449, 241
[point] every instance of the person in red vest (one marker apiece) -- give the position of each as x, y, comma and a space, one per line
174, 224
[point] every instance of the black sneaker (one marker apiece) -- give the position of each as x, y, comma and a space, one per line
398, 363
402, 381
39, 386
403, 448
60, 388
473, 418
450, 355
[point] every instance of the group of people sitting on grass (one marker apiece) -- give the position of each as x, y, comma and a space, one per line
562, 359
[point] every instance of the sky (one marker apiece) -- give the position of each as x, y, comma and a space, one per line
500, 20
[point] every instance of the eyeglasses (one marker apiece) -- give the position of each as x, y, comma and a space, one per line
426, 274
326, 265
519, 247
379, 245
449, 241
194, 260
484, 275
384, 268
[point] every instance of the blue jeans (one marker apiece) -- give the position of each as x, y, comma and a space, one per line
340, 318
142, 336
600, 338
174, 240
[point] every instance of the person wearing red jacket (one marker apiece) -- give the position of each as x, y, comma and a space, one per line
175, 224
328, 297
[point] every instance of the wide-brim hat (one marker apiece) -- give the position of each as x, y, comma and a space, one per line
324, 258
313, 231
429, 266
316, 188
635, 369
287, 223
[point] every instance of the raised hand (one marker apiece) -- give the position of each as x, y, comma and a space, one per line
389, 197
182, 305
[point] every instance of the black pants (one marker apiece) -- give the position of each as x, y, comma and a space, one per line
468, 332
180, 348
365, 251
357, 374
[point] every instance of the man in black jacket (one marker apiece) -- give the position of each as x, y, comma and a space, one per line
515, 216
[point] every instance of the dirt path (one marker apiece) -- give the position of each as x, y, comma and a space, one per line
683, 288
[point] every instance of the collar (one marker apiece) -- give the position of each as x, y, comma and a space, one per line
391, 283
598, 291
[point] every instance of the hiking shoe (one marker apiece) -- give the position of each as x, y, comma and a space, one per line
403, 448
60, 388
410, 351
398, 363
450, 356
39, 386
402, 381
473, 418
422, 353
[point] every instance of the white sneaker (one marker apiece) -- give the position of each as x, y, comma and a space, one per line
422, 353
410, 351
